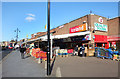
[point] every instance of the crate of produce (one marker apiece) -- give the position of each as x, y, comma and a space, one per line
60, 53
70, 51
65, 53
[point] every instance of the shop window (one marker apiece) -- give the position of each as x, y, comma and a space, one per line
99, 44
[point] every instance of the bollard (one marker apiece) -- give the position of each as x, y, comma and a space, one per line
39, 61
45, 65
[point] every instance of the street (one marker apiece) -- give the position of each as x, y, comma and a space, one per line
4, 53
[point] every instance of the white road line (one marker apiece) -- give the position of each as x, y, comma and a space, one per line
58, 72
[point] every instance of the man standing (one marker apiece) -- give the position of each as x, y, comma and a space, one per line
83, 49
22, 50
76, 50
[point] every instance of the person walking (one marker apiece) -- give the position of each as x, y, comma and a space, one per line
76, 50
83, 49
22, 50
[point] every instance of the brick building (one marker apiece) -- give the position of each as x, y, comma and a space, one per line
114, 32
91, 30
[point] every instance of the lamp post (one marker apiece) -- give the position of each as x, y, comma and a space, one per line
48, 35
17, 30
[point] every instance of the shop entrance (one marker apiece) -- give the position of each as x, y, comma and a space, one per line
101, 45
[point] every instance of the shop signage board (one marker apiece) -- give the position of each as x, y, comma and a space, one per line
113, 43
78, 28
101, 27
100, 38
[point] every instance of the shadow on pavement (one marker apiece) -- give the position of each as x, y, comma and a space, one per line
27, 57
51, 67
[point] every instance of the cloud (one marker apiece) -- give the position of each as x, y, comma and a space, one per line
29, 19
31, 15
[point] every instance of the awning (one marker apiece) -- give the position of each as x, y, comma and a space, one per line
70, 35
44, 38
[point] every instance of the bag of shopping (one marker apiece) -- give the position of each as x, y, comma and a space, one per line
80, 52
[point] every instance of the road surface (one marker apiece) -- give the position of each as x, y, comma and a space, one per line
14, 66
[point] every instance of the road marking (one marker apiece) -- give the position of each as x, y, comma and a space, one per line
58, 72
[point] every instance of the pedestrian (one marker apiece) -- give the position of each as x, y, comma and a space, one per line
76, 50
22, 51
80, 52
83, 49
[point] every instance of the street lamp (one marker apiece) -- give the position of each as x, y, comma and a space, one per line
17, 30
48, 35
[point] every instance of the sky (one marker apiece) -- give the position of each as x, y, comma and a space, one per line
31, 17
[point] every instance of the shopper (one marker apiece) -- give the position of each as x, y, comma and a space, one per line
22, 50
83, 49
76, 50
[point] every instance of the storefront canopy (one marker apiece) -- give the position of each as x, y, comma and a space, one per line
44, 38
65, 35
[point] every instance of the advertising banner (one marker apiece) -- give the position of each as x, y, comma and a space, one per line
78, 28
101, 27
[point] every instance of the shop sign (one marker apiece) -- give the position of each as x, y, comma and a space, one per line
88, 37
78, 28
93, 37
101, 27
100, 20
113, 43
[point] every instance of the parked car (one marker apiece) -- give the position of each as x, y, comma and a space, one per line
10, 46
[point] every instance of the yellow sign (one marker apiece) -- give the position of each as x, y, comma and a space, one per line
27, 35
46, 26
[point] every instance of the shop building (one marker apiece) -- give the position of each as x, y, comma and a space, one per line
91, 30
114, 33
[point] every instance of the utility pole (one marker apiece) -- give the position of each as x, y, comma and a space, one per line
48, 35
17, 30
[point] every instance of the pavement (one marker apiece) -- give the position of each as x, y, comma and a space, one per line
75, 66
71, 66
14, 66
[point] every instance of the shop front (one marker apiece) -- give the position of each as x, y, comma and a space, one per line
114, 42
71, 42
101, 41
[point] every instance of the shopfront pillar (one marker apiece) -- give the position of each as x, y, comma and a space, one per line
51, 48
38, 43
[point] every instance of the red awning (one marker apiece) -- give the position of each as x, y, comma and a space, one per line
100, 38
